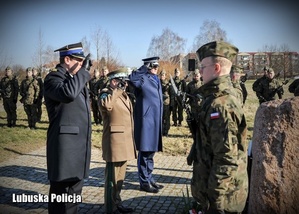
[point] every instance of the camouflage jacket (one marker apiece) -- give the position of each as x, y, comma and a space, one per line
9, 88
166, 92
192, 89
92, 85
99, 85
270, 89
239, 91
221, 148
41, 87
29, 91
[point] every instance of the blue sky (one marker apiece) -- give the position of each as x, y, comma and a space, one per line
131, 24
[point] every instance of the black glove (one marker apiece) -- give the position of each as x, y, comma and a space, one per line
87, 62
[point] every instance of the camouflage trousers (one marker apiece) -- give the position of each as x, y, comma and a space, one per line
39, 109
31, 112
96, 111
165, 120
10, 108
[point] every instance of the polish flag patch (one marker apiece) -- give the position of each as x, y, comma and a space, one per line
214, 115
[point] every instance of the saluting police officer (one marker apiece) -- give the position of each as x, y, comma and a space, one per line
147, 121
69, 133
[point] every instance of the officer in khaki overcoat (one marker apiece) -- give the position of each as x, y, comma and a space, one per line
118, 145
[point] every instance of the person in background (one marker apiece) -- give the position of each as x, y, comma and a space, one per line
256, 85
167, 102
294, 87
269, 88
192, 89
94, 97
220, 182
9, 91
118, 144
69, 132
147, 121
177, 111
235, 75
36, 75
30, 91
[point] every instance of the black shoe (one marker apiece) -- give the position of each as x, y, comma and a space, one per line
123, 209
148, 188
157, 186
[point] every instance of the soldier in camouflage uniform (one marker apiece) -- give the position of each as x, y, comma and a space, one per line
256, 84
9, 88
235, 74
192, 89
177, 111
294, 87
29, 91
36, 75
94, 97
167, 102
269, 88
220, 182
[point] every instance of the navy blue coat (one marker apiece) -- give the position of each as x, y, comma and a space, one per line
148, 110
69, 132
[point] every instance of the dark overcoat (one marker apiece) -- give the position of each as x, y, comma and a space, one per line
148, 110
69, 132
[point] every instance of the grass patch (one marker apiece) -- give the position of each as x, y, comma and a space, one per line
20, 140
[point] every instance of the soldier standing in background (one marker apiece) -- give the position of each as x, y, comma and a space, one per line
177, 111
167, 102
94, 97
36, 75
9, 89
235, 75
294, 87
256, 84
269, 87
192, 89
220, 181
29, 91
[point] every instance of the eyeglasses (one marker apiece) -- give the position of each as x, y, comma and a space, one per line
201, 67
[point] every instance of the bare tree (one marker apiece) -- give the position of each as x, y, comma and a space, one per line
209, 31
5, 60
86, 45
167, 45
97, 36
38, 57
109, 52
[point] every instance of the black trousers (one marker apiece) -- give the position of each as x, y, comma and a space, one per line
62, 188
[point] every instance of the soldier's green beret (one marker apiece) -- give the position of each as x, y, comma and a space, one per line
236, 69
121, 73
217, 48
74, 50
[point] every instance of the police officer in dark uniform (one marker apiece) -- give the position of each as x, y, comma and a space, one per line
69, 133
9, 89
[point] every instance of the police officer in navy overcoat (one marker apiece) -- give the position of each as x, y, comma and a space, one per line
147, 120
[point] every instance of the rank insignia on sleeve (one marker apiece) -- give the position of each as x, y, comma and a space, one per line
214, 115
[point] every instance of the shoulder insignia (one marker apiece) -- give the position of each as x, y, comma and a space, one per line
53, 69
